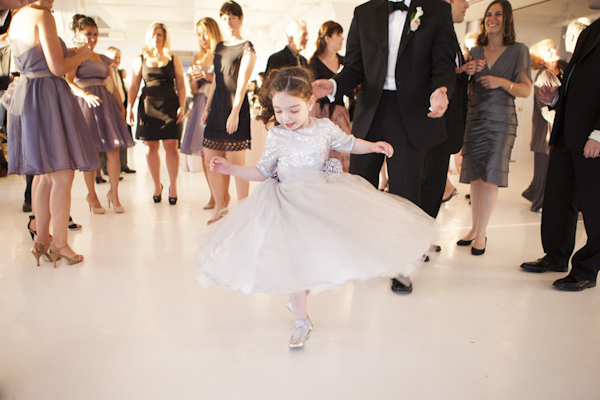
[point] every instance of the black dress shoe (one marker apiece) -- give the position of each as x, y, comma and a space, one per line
100, 180
573, 283
26, 206
437, 248
399, 287
426, 259
462, 242
128, 170
545, 265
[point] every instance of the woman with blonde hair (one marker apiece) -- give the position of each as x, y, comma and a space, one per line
544, 57
161, 105
201, 76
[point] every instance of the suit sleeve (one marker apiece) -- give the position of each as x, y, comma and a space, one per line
442, 52
352, 73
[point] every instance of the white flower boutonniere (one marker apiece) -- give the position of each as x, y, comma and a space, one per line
415, 19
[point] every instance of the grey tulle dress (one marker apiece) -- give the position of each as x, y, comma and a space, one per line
491, 126
105, 121
309, 226
50, 134
192, 143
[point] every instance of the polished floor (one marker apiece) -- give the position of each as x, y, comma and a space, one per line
131, 322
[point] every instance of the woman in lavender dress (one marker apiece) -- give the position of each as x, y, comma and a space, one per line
49, 137
201, 77
103, 111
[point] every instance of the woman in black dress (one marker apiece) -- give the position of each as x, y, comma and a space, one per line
160, 108
324, 64
227, 111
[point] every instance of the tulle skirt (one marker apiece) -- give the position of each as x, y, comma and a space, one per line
308, 233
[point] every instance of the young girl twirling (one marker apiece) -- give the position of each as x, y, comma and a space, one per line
308, 225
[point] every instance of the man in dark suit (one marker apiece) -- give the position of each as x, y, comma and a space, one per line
574, 168
290, 56
402, 54
437, 159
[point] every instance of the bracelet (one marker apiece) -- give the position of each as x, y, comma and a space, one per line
510, 88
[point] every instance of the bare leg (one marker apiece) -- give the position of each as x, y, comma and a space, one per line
216, 181
172, 159
60, 206
41, 204
90, 179
449, 188
488, 194
242, 186
298, 300
475, 189
153, 160
113, 166
211, 202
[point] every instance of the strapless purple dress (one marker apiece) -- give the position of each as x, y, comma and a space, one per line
193, 139
50, 134
105, 121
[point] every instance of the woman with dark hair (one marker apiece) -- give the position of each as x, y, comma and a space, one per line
492, 118
47, 137
103, 111
544, 57
227, 111
324, 64
161, 106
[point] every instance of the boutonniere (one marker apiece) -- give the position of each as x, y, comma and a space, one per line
415, 20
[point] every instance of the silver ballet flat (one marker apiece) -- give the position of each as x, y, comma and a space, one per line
303, 328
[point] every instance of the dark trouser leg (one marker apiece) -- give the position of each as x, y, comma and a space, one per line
29, 180
538, 184
123, 157
435, 173
559, 216
586, 261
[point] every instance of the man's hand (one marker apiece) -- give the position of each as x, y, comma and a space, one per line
438, 102
591, 149
322, 88
548, 94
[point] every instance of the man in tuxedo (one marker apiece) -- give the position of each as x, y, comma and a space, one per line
119, 76
403, 56
574, 168
290, 56
437, 159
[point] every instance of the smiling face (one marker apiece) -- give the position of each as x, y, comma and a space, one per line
494, 19
292, 111
232, 24
90, 35
203, 38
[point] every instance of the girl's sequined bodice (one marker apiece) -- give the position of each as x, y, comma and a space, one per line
302, 149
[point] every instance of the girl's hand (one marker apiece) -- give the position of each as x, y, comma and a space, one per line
490, 81
220, 165
383, 148
204, 117
232, 122
85, 52
92, 100
130, 116
179, 115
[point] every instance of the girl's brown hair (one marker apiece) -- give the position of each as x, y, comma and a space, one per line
293, 80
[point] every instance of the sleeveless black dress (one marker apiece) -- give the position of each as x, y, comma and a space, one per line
227, 67
157, 108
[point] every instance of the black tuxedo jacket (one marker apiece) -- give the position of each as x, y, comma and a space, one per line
426, 61
578, 107
456, 115
283, 58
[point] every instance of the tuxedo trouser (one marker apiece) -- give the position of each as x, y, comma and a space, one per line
572, 181
435, 174
406, 165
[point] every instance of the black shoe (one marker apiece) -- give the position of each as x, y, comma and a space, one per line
437, 248
128, 170
399, 287
158, 198
464, 242
573, 283
454, 193
100, 180
72, 225
545, 265
26, 206
478, 252
426, 259
172, 200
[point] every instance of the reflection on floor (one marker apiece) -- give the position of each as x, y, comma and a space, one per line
132, 323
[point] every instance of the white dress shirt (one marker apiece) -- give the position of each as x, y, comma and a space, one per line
396, 23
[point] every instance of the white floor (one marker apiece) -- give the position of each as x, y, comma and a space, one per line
132, 323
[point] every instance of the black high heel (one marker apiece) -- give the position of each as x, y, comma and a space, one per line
31, 231
172, 200
157, 199
478, 252
462, 242
72, 225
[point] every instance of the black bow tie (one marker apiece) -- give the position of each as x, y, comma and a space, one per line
397, 5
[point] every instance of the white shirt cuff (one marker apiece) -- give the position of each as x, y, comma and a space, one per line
595, 135
331, 96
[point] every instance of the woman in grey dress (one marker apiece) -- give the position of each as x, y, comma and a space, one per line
544, 57
491, 117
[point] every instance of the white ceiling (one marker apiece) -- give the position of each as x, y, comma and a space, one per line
123, 23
